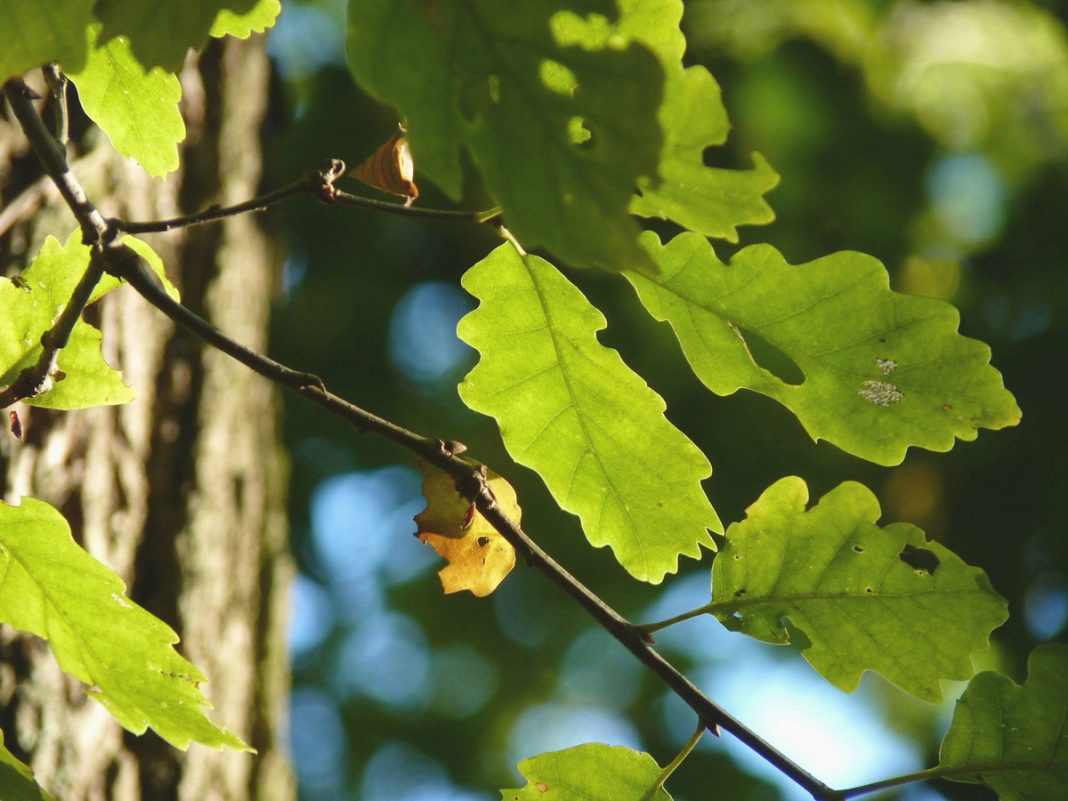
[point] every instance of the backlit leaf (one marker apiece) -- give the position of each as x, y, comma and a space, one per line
16, 779
709, 200
867, 598
569, 408
242, 24
478, 557
870, 370
1012, 737
590, 772
33, 34
50, 587
161, 32
508, 89
138, 110
29, 308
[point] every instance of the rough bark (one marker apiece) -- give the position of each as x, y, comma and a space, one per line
182, 492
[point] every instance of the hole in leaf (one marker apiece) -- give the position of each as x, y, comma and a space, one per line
920, 559
858, 549
483, 542
769, 357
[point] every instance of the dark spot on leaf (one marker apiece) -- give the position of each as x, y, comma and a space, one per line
947, 406
858, 549
737, 558
738, 593
483, 542
869, 590
920, 559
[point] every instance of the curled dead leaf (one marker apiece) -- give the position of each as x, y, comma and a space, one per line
391, 168
478, 556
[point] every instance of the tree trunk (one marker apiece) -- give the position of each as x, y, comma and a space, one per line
182, 492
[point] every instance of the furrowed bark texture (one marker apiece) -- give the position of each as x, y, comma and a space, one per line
182, 492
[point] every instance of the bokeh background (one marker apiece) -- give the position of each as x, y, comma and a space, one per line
933, 135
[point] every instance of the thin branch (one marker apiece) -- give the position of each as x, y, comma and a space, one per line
41, 376
316, 183
469, 475
57, 85
54, 159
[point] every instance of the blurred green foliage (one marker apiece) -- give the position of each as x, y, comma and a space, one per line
933, 136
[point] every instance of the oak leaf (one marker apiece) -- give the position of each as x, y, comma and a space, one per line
478, 556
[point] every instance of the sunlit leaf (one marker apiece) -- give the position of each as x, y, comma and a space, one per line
16, 779
710, 200
478, 557
502, 87
33, 34
242, 24
1012, 737
28, 308
50, 587
590, 772
870, 370
867, 598
161, 32
569, 408
138, 110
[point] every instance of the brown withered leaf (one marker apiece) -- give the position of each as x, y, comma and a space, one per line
478, 556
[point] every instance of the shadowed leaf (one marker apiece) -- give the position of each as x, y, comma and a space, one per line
1012, 737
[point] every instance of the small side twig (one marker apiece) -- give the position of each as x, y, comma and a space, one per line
57, 85
316, 183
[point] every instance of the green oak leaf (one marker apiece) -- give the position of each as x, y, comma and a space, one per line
161, 32
590, 772
570, 409
52, 588
1012, 737
28, 309
243, 24
508, 89
878, 371
16, 779
867, 598
709, 200
137, 109
33, 34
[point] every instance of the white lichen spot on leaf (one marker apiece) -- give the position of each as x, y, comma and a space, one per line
887, 366
881, 393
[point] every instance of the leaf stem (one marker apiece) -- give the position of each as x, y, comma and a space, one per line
649, 628
673, 765
895, 781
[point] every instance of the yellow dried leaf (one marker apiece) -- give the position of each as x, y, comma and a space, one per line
478, 556
391, 168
